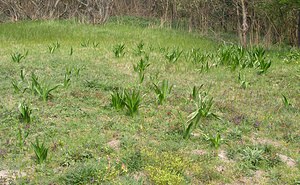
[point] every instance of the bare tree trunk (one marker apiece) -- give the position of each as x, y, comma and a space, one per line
190, 23
164, 18
244, 25
298, 28
238, 21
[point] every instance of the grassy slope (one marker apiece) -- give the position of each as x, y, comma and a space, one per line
78, 124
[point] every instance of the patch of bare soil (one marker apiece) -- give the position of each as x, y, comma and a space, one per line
9, 176
264, 141
198, 152
223, 156
114, 144
287, 160
257, 179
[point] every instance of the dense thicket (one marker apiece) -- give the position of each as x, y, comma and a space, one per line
255, 21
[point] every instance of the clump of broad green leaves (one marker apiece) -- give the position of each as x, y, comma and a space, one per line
141, 67
53, 47
25, 112
117, 99
243, 82
173, 55
40, 150
140, 49
236, 56
42, 90
17, 56
129, 99
215, 140
119, 50
162, 91
286, 102
203, 106
132, 101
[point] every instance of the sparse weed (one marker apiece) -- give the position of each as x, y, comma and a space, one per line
67, 77
204, 105
67, 80
197, 57
196, 92
162, 91
118, 50
215, 140
243, 83
117, 100
139, 49
77, 69
95, 44
53, 47
205, 67
155, 78
22, 74
91, 83
45, 91
22, 136
88, 43
16, 85
173, 55
40, 150
132, 101
163, 50
141, 67
285, 101
17, 57
71, 51
42, 90
25, 112
85, 43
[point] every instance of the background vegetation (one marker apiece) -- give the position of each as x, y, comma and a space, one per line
255, 22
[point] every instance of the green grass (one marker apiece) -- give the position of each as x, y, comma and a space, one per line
89, 141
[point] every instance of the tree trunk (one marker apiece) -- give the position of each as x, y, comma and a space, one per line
238, 22
299, 28
244, 25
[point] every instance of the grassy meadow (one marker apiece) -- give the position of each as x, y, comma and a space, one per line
127, 104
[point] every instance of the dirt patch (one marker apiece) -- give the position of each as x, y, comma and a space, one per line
114, 144
221, 169
264, 141
223, 156
257, 178
287, 160
198, 152
238, 119
9, 176
196, 134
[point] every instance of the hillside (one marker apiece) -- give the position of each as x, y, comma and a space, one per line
122, 104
